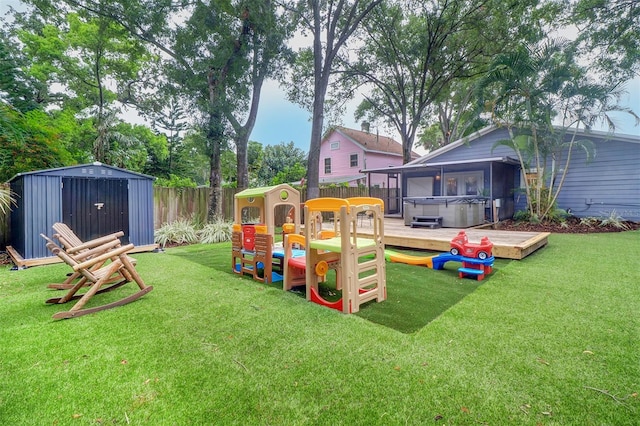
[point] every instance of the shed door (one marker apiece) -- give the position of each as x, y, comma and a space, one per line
93, 207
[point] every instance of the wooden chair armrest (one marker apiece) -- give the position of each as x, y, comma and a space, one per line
93, 243
103, 257
104, 248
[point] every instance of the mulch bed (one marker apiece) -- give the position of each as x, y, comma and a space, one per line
572, 225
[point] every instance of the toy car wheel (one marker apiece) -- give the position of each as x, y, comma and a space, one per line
482, 255
454, 251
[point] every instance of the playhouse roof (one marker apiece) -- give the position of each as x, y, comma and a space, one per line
262, 191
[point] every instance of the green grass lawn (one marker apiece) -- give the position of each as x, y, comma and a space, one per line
552, 340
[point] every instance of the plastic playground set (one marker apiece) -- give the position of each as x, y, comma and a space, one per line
330, 241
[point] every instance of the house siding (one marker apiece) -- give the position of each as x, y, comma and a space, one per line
376, 160
479, 148
341, 159
610, 182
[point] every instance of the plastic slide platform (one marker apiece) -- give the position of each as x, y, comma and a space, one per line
436, 262
396, 257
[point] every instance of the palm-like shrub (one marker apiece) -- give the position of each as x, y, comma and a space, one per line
216, 232
181, 231
6, 200
184, 231
614, 219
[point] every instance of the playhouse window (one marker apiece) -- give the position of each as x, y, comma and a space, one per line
327, 166
353, 160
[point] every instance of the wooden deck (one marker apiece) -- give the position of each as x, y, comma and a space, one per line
506, 244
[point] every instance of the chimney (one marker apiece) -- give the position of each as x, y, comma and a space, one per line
366, 126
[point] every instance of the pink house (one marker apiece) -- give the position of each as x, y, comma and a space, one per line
344, 152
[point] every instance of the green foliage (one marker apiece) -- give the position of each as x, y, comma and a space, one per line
522, 216
529, 91
28, 142
293, 173
16, 88
280, 163
6, 199
608, 34
589, 221
421, 61
614, 219
138, 148
217, 231
87, 63
175, 182
181, 231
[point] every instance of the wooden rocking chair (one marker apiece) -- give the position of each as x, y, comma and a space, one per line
99, 280
74, 246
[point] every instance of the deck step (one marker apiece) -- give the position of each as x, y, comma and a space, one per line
426, 221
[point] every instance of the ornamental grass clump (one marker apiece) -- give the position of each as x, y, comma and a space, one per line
184, 231
217, 231
615, 220
181, 231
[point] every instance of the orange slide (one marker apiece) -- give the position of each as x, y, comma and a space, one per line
393, 256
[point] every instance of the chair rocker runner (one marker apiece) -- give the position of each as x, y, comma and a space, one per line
98, 279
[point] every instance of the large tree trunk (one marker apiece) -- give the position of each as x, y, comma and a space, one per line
242, 165
313, 160
214, 136
243, 132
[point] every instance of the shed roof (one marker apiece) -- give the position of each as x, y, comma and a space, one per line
81, 170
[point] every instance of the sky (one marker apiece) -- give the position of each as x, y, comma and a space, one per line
282, 121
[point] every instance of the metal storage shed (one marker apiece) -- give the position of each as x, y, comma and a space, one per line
92, 199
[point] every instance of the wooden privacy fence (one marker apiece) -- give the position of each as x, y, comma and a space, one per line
171, 204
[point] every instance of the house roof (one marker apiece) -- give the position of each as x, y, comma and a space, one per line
485, 131
430, 159
453, 145
341, 179
372, 142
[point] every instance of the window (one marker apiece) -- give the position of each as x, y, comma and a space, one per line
353, 159
464, 183
531, 176
335, 145
471, 185
452, 186
327, 166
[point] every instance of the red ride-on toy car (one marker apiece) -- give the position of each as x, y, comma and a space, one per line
460, 245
